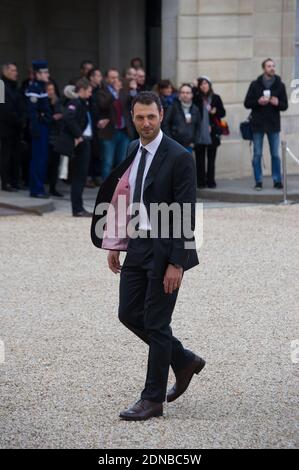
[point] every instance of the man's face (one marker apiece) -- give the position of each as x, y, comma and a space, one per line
269, 68
112, 77
85, 94
51, 91
186, 94
140, 77
137, 64
147, 120
131, 74
43, 76
86, 69
97, 78
11, 72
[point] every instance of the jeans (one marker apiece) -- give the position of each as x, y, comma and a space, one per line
274, 141
114, 151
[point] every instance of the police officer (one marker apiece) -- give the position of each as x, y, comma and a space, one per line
78, 126
39, 121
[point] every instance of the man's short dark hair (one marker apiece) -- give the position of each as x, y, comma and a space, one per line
111, 70
147, 98
92, 72
83, 83
86, 62
267, 60
6, 65
186, 84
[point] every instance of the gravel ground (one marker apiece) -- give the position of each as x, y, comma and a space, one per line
71, 367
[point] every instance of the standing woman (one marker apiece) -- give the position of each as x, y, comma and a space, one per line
210, 106
55, 129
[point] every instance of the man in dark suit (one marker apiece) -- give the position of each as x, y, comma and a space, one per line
115, 127
12, 120
158, 170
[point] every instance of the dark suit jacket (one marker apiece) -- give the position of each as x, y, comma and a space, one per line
103, 103
171, 178
12, 112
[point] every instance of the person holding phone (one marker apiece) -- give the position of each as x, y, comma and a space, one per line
266, 97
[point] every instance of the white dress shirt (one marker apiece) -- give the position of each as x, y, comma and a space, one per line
152, 148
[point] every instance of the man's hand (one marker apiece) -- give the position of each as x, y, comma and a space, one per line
57, 116
173, 279
263, 101
78, 141
274, 101
133, 85
103, 123
113, 261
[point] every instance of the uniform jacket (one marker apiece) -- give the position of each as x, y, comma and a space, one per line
171, 178
266, 118
175, 125
38, 106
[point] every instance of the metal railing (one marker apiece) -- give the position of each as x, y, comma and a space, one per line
285, 151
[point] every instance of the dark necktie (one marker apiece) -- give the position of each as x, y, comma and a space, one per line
140, 175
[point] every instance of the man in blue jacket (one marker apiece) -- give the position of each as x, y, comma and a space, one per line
39, 121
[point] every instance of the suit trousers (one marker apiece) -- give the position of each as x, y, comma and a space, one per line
146, 310
79, 173
10, 161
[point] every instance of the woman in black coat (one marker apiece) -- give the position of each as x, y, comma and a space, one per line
55, 129
210, 107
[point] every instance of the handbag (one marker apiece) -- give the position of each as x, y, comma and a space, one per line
246, 129
221, 125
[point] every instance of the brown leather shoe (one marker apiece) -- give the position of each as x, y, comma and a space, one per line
142, 410
183, 378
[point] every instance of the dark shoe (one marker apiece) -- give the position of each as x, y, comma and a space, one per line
40, 196
9, 189
90, 184
258, 186
83, 214
278, 185
98, 181
56, 193
212, 185
142, 410
183, 378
